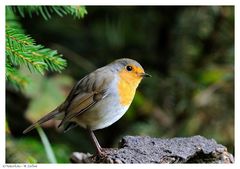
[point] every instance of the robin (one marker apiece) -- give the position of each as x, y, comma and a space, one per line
99, 99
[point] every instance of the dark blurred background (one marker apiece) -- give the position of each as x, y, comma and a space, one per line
189, 51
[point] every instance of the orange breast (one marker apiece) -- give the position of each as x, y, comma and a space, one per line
127, 86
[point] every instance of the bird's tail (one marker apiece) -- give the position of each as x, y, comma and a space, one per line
45, 118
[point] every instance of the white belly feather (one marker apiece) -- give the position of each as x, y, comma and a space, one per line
103, 114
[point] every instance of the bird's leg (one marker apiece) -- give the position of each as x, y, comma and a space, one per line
95, 142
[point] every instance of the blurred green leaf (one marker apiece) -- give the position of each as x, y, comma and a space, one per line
47, 146
31, 150
31, 160
20, 151
46, 94
214, 74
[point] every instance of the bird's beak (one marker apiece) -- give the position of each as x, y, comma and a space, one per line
145, 75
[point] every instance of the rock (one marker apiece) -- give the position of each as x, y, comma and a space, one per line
139, 149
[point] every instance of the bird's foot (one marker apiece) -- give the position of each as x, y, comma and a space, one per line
103, 152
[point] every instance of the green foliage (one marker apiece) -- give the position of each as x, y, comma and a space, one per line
47, 11
14, 77
18, 150
23, 51
53, 96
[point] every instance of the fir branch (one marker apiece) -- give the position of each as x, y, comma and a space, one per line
77, 11
19, 48
51, 58
22, 49
16, 79
47, 11
24, 58
12, 20
14, 35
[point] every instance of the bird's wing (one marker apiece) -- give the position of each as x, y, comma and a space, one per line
85, 94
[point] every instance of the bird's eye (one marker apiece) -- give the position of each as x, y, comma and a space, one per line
129, 68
